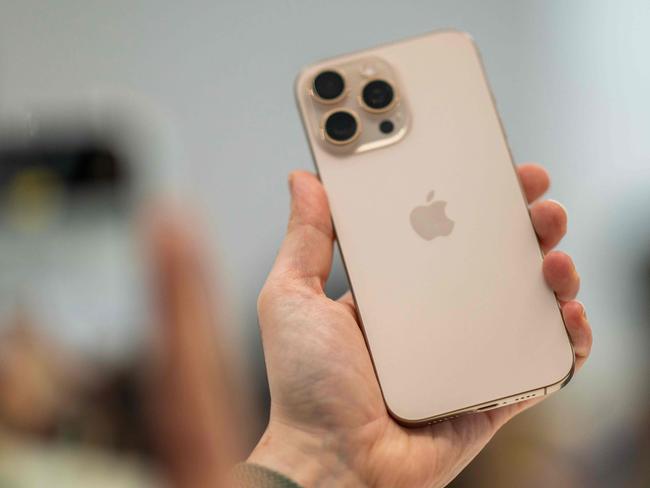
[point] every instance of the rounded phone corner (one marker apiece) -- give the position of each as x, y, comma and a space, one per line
455, 32
568, 373
414, 423
458, 32
564, 380
409, 421
406, 422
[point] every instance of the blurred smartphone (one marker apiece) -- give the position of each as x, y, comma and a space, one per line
433, 228
73, 294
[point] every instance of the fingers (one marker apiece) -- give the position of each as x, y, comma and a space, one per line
580, 334
178, 278
305, 257
579, 330
534, 180
561, 275
550, 222
187, 389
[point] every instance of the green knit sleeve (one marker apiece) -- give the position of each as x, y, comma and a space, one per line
249, 475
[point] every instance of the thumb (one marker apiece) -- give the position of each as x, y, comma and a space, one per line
305, 257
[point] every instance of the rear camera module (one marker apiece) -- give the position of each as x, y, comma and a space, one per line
341, 127
377, 96
329, 86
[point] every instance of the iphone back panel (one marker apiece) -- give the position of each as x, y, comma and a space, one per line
433, 228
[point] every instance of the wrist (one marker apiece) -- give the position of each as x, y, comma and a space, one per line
308, 459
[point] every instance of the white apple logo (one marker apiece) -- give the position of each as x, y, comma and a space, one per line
430, 221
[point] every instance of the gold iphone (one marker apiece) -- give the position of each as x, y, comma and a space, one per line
433, 228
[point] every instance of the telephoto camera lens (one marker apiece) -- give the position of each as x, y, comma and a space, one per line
341, 127
329, 85
377, 95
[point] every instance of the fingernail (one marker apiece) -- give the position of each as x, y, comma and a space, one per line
584, 310
559, 204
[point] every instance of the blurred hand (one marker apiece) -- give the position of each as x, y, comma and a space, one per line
328, 423
190, 399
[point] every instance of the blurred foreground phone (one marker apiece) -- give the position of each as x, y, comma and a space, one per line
70, 190
73, 294
433, 228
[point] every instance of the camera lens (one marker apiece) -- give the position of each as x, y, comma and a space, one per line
329, 85
378, 95
341, 127
386, 126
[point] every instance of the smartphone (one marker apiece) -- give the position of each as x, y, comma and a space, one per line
73, 288
433, 228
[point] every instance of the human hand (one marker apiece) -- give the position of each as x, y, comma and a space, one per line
328, 424
189, 396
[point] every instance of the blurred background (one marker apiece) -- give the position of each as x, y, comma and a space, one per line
106, 106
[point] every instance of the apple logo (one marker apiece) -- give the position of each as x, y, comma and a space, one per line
430, 221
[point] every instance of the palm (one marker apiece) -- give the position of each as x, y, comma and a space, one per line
332, 387
322, 382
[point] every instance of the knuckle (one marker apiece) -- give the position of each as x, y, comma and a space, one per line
272, 293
